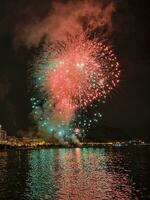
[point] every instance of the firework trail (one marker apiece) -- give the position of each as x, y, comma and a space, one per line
71, 73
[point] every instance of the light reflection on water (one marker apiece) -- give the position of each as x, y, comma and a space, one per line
66, 174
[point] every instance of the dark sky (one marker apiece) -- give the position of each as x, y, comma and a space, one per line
127, 108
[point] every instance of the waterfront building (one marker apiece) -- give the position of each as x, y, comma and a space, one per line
3, 134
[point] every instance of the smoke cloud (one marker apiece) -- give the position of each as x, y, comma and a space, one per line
64, 19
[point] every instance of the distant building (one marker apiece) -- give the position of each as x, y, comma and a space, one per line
12, 139
32, 141
3, 134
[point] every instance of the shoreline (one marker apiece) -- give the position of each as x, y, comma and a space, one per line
9, 147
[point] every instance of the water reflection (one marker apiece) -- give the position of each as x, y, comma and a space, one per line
77, 174
3, 171
13, 174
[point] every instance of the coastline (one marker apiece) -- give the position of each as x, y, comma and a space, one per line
55, 146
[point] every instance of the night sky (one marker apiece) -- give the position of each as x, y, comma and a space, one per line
127, 108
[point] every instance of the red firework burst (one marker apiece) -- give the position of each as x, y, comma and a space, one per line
85, 70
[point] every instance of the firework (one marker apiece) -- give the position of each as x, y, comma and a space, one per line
70, 76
